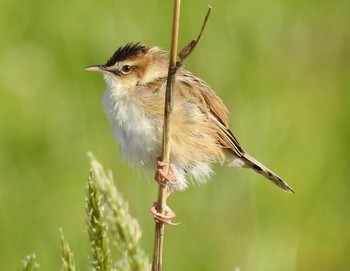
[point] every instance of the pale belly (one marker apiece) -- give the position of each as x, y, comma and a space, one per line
138, 136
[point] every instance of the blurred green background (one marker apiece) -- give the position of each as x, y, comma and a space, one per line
283, 69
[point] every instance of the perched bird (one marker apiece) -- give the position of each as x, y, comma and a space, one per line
134, 103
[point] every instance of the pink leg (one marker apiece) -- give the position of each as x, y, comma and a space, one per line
160, 218
170, 177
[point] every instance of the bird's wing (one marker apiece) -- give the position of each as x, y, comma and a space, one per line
215, 108
210, 104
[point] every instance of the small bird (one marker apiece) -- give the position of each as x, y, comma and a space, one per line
134, 103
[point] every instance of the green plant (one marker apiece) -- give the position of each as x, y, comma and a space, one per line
109, 223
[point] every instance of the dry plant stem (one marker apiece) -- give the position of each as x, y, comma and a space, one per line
162, 191
187, 50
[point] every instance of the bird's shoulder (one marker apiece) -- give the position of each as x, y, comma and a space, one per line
210, 103
202, 94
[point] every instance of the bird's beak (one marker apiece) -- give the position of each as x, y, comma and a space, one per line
97, 68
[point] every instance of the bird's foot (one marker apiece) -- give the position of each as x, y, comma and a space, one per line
163, 218
162, 178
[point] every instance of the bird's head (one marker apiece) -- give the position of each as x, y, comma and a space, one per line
131, 65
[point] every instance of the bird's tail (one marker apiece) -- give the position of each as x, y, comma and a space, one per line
247, 161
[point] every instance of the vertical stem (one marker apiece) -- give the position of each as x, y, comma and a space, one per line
162, 193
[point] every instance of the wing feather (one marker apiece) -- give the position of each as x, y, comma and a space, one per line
212, 105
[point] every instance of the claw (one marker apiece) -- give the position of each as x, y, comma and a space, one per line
160, 175
163, 218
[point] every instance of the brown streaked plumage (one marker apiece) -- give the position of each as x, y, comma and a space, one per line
134, 102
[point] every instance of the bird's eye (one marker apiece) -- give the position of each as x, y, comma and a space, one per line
126, 68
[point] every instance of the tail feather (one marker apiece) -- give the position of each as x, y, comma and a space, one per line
261, 169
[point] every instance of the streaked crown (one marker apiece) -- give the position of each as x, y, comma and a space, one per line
128, 52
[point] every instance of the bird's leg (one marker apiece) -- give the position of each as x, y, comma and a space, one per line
170, 177
164, 180
163, 218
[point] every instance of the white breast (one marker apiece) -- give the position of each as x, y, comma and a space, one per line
137, 135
